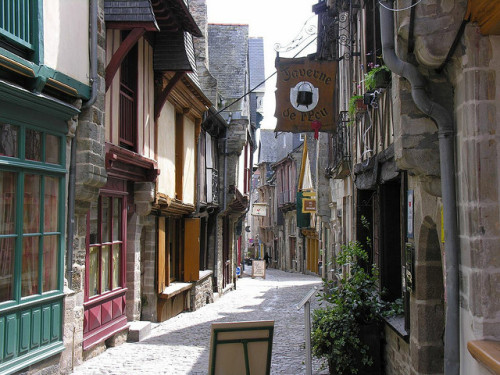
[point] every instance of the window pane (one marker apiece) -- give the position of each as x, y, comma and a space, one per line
52, 149
50, 204
31, 222
117, 219
117, 257
7, 202
8, 140
93, 271
50, 253
33, 145
6, 268
93, 238
105, 269
105, 219
29, 272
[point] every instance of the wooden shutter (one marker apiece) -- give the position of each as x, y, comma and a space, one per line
191, 249
161, 254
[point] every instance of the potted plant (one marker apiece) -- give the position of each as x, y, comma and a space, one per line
346, 331
356, 104
379, 76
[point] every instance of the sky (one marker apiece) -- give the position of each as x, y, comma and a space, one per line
277, 21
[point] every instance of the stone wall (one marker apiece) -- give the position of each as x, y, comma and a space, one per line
396, 354
202, 292
475, 76
149, 295
90, 176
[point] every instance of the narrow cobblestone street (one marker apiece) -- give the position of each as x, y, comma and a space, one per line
181, 345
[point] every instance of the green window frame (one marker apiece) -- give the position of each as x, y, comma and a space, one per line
21, 27
32, 212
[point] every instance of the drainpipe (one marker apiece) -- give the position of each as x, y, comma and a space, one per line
444, 122
72, 167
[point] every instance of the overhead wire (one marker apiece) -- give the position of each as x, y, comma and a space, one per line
260, 84
398, 9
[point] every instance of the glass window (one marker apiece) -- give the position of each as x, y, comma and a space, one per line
31, 222
29, 272
117, 219
33, 145
105, 253
51, 200
8, 140
50, 258
105, 281
29, 193
117, 255
8, 184
52, 149
93, 269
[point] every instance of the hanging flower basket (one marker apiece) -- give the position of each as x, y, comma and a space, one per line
379, 77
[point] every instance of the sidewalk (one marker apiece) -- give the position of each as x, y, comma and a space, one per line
181, 345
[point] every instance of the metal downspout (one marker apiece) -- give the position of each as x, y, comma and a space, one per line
444, 122
72, 167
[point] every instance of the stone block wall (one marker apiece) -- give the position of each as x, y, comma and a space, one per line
475, 75
148, 293
396, 354
202, 292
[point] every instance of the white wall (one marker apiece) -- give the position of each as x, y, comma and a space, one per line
189, 166
166, 150
66, 37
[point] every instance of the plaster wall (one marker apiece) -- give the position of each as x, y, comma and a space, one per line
189, 162
66, 37
166, 150
145, 100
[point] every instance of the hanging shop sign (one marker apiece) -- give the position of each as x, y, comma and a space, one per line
259, 209
304, 95
309, 205
309, 202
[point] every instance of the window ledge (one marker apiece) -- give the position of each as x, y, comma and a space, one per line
397, 324
205, 274
487, 353
174, 289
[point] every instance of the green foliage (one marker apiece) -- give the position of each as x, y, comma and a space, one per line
352, 302
371, 81
352, 105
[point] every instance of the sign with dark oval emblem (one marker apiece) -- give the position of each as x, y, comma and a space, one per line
304, 94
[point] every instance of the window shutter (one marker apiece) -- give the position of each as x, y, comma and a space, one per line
161, 254
191, 249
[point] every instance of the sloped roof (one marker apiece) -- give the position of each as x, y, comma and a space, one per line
128, 11
174, 52
167, 15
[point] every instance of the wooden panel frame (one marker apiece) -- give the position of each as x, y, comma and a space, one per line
228, 340
191, 249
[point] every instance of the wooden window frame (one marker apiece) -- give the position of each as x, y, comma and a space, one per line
99, 244
33, 325
22, 166
179, 155
24, 40
128, 120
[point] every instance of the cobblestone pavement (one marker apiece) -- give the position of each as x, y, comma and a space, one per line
181, 345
